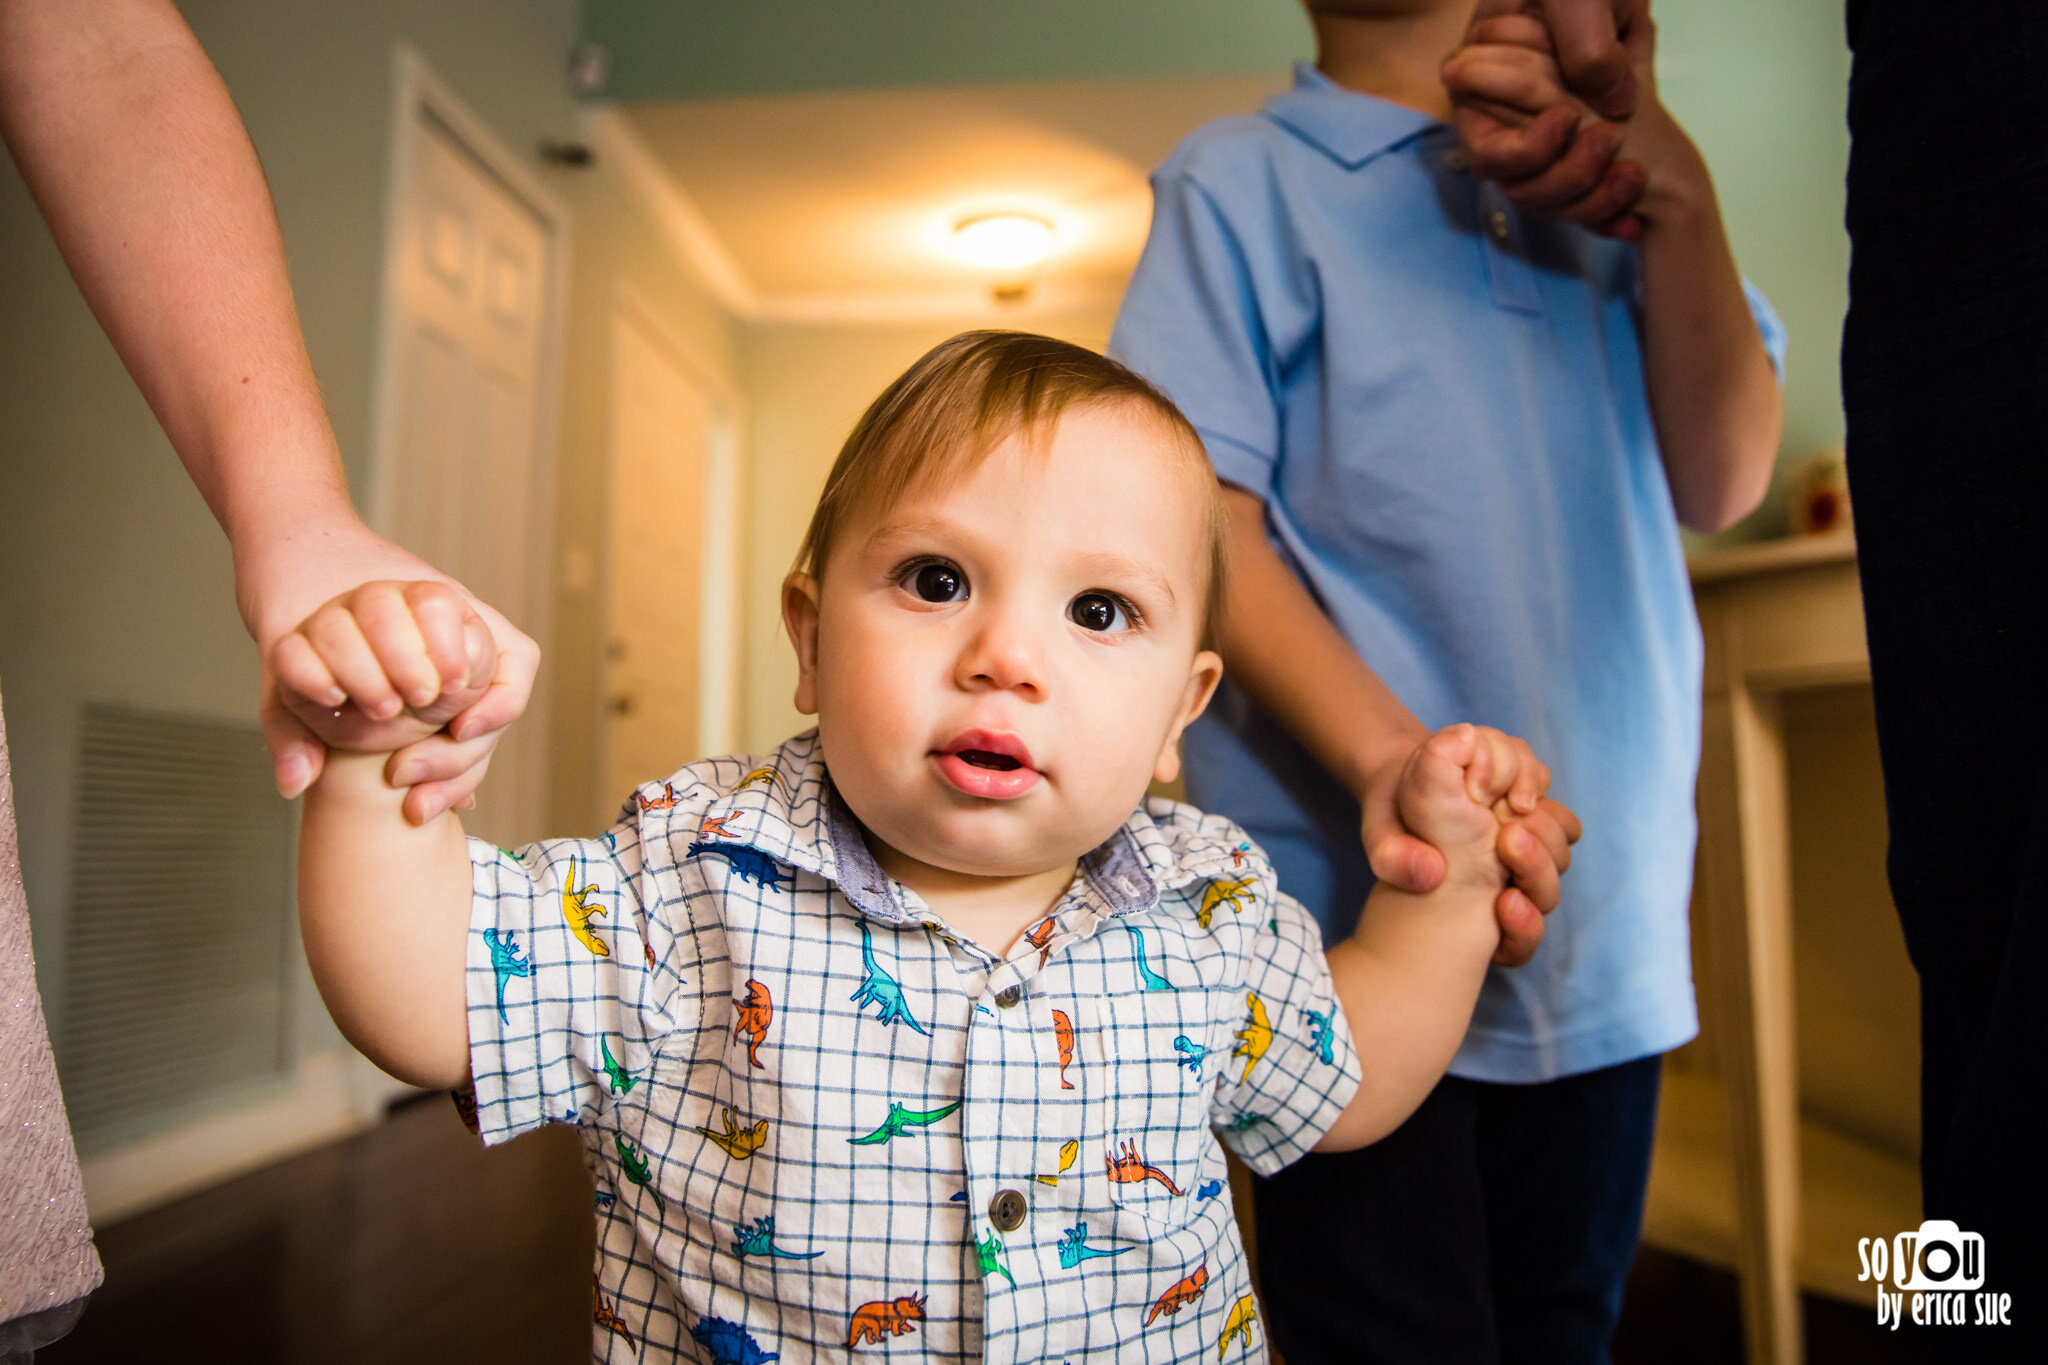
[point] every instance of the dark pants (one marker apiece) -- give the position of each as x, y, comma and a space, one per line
1497, 1224
1945, 380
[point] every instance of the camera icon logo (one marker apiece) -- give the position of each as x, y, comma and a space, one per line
1939, 1257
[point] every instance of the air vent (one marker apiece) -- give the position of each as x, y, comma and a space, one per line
176, 970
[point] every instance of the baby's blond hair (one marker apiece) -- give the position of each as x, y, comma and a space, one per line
944, 414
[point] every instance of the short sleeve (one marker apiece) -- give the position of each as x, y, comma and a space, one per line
1191, 323
1768, 326
1295, 1069
564, 993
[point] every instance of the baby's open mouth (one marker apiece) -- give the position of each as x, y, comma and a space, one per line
982, 758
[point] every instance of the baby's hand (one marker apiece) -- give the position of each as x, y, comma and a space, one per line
382, 669
1447, 793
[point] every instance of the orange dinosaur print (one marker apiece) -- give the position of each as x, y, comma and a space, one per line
756, 1009
1180, 1294
648, 949
715, 825
1130, 1169
666, 801
892, 1316
1039, 936
1063, 1033
604, 1316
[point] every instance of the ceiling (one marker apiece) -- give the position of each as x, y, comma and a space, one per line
841, 204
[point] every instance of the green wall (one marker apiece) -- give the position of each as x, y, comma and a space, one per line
663, 50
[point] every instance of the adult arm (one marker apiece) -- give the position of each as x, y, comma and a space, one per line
1288, 657
133, 150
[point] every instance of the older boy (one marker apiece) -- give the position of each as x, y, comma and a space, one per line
1455, 438
927, 1022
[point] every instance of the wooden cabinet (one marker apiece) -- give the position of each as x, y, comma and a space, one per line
1741, 1176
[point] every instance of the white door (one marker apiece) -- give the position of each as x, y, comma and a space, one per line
462, 467
662, 426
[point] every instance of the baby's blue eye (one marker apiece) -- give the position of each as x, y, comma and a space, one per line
1098, 611
939, 583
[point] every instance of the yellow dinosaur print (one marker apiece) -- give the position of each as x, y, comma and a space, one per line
1255, 1037
1240, 1321
1067, 1154
767, 777
577, 910
739, 1143
1232, 894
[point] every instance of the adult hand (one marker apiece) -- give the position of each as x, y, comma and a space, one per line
1536, 835
282, 578
1562, 163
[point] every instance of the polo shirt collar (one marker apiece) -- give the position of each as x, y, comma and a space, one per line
1348, 126
788, 809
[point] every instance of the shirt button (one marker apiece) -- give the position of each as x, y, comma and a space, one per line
1497, 224
1007, 1210
1008, 996
1454, 160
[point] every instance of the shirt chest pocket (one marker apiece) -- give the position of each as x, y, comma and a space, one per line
1162, 1048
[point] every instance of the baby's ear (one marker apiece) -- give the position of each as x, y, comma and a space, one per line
1203, 675
800, 619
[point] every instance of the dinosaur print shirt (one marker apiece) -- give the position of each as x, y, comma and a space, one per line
819, 1119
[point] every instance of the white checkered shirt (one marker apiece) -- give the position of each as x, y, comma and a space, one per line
819, 1118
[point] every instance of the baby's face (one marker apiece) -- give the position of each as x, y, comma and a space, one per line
1000, 668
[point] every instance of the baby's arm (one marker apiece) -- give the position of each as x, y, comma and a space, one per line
383, 903
1409, 976
1713, 392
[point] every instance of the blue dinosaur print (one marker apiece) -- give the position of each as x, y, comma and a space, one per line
1152, 981
1319, 1035
729, 1343
1074, 1247
611, 842
1208, 1189
880, 989
751, 863
759, 1240
507, 960
603, 1200
1192, 1054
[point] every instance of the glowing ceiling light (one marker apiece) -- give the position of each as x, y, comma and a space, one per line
1003, 241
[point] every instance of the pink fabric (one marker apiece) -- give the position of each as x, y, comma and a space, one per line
46, 1252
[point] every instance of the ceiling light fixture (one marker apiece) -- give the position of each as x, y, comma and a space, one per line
1003, 241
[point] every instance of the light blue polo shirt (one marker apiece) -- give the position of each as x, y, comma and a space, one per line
1442, 404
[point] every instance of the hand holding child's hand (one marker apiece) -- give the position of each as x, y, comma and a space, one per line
1520, 126
1447, 792
383, 668
1532, 834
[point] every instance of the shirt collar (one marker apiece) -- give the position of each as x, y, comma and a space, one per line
1349, 126
788, 809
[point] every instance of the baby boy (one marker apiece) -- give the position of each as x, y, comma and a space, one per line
927, 1023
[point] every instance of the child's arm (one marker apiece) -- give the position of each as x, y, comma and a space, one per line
1284, 652
1713, 392
384, 904
1409, 976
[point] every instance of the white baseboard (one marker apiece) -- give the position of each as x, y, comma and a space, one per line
330, 1097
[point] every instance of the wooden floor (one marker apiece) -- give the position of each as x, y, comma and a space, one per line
409, 1245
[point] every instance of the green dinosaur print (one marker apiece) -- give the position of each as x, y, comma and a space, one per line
634, 1164
879, 988
759, 1240
990, 1249
1243, 1122
621, 1079
507, 961
1148, 979
1319, 1036
901, 1121
1074, 1247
